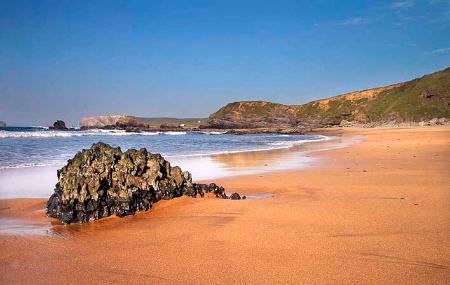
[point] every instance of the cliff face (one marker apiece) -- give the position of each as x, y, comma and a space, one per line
413, 101
123, 121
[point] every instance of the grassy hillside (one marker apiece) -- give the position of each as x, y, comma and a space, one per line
423, 98
416, 100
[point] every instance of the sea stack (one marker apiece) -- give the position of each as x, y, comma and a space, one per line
2, 124
59, 125
104, 181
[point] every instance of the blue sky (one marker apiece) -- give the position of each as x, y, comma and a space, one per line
68, 59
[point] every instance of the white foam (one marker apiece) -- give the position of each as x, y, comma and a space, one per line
174, 133
213, 133
40, 127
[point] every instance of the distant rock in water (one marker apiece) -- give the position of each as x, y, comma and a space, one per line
104, 181
2, 124
59, 125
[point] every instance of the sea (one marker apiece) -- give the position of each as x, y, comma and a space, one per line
30, 156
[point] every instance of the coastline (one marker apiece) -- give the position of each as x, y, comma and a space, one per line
374, 212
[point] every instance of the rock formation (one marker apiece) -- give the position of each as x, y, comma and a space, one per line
104, 181
109, 120
133, 123
59, 125
2, 124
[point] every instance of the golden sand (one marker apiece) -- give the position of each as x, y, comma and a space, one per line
377, 212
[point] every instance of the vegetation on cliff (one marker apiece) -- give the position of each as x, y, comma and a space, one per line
252, 114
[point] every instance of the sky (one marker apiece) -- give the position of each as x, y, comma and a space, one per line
68, 59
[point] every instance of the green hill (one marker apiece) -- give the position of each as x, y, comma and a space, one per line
417, 100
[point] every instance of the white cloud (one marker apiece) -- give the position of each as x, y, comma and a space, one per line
438, 51
432, 2
354, 21
402, 4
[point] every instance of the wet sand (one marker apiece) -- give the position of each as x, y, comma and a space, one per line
377, 212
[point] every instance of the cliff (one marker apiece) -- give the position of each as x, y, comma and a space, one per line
253, 114
109, 120
417, 100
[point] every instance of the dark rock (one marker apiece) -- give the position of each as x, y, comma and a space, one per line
235, 196
104, 181
59, 125
2, 124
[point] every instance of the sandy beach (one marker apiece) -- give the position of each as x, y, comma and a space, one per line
375, 212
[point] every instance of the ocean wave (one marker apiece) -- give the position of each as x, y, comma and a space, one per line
49, 159
65, 134
37, 134
213, 133
31, 165
268, 147
290, 143
287, 144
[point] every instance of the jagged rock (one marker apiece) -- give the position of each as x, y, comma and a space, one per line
442, 121
59, 125
433, 122
2, 124
103, 121
104, 181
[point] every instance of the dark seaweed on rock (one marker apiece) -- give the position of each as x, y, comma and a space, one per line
104, 181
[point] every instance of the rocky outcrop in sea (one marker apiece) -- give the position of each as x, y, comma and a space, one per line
104, 181
2, 124
58, 125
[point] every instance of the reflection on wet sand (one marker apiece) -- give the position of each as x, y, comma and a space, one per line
18, 227
278, 159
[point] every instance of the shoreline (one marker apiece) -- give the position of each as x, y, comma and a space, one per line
374, 212
295, 154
